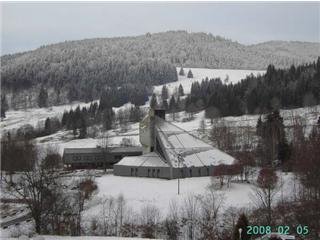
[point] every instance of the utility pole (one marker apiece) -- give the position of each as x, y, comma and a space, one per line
179, 160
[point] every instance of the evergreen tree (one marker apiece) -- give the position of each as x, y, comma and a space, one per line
273, 139
164, 92
180, 91
243, 224
202, 126
83, 128
153, 101
190, 75
47, 126
284, 151
4, 106
211, 113
172, 104
135, 114
165, 105
108, 117
181, 72
259, 127
64, 118
43, 98
74, 130
191, 109
178, 105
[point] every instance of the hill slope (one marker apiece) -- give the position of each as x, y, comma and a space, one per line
178, 47
78, 70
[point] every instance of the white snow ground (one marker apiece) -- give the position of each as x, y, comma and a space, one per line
33, 116
139, 192
201, 73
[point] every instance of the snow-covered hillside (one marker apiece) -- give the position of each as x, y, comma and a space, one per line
199, 74
33, 116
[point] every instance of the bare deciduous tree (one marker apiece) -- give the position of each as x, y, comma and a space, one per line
38, 189
190, 216
265, 191
171, 223
149, 219
210, 206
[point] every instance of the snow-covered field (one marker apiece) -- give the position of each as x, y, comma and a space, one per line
33, 116
139, 192
199, 74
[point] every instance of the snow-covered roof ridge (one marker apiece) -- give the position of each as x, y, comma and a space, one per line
186, 150
151, 159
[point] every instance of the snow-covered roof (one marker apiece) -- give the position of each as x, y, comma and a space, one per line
151, 159
179, 149
190, 150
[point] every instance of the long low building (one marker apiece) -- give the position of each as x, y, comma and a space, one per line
170, 152
75, 158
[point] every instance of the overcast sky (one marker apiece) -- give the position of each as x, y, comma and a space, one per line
27, 26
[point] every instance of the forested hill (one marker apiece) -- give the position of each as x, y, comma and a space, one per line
79, 70
295, 87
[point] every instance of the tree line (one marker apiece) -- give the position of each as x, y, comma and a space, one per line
64, 81
298, 86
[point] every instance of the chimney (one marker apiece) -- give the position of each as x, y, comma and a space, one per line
161, 113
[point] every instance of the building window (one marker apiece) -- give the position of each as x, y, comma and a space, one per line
76, 158
153, 172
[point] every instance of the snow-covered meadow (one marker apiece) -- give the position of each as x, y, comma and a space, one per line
34, 116
199, 74
139, 192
